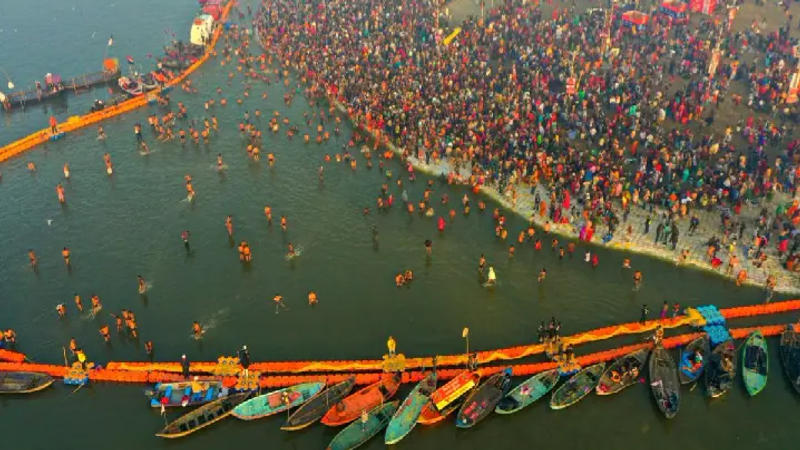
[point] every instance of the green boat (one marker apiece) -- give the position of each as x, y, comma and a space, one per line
755, 363
277, 401
407, 414
362, 430
528, 392
577, 387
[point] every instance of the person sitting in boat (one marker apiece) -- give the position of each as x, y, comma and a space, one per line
726, 363
697, 360
634, 372
615, 376
525, 390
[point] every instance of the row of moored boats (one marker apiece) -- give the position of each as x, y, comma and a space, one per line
370, 410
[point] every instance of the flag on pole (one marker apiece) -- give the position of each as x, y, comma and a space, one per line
110, 41
465, 332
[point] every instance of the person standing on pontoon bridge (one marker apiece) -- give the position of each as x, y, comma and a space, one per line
185, 367
244, 360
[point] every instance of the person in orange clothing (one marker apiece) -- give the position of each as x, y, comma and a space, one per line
148, 348
131, 324
117, 322
53, 125
268, 214
10, 336
284, 223
197, 330
78, 303
741, 277
104, 332
32, 258
189, 190
278, 299
312, 298
66, 254
97, 306
60, 193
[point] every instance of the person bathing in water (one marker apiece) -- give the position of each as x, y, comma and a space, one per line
142, 284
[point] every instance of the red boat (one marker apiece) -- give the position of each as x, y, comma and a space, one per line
350, 408
444, 400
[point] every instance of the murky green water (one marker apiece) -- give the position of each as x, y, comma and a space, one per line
130, 224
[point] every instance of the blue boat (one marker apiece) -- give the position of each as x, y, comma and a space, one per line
184, 393
693, 360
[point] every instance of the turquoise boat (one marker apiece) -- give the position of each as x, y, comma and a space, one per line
755, 363
277, 401
362, 430
406, 416
528, 392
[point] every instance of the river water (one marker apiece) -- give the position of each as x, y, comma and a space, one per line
130, 224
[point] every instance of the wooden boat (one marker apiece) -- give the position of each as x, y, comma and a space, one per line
184, 393
664, 382
405, 418
361, 431
277, 401
148, 82
755, 363
528, 392
202, 416
350, 408
482, 401
315, 407
131, 87
721, 369
430, 415
789, 352
623, 372
689, 371
23, 382
577, 387
444, 400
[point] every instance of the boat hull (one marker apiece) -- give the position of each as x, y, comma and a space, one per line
23, 382
664, 382
202, 417
350, 408
274, 402
755, 363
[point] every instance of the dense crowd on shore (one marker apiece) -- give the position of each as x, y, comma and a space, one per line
638, 131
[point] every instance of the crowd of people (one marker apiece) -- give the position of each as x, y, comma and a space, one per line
634, 131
